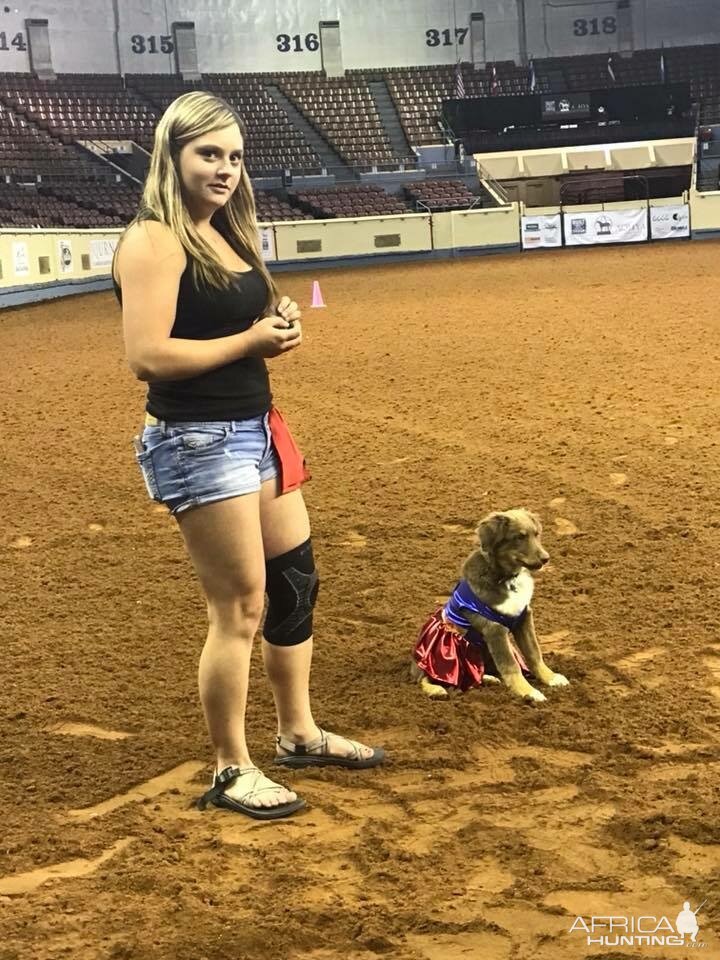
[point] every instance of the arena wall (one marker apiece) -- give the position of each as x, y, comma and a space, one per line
565, 28
136, 36
705, 213
468, 230
38, 264
358, 237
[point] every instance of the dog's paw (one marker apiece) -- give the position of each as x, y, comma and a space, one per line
432, 690
521, 688
490, 680
558, 680
535, 695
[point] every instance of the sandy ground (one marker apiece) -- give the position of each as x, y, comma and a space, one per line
582, 384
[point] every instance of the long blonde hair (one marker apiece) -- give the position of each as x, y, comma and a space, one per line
193, 115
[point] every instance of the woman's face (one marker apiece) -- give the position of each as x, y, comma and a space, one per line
210, 168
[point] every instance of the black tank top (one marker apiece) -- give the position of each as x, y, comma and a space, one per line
236, 391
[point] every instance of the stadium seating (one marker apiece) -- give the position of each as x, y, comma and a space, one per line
272, 141
82, 106
418, 93
53, 180
362, 201
708, 182
441, 195
272, 209
117, 201
34, 206
27, 151
343, 110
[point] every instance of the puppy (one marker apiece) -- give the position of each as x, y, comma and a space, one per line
488, 621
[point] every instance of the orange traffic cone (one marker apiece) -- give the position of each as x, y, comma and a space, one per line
317, 297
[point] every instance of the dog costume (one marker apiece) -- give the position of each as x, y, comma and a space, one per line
450, 651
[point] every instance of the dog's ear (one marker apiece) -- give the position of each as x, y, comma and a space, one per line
533, 518
491, 531
536, 520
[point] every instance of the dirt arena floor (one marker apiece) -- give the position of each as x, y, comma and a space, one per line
582, 384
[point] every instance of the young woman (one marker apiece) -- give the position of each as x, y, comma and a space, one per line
200, 316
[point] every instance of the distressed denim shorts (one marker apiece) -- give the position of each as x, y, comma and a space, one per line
189, 464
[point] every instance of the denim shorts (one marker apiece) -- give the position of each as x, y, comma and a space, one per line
189, 464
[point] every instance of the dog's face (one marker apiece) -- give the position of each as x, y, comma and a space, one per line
511, 539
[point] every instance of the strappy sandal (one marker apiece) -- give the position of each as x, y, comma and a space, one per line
258, 784
316, 753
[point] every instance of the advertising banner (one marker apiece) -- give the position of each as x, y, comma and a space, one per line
606, 226
670, 221
21, 260
65, 257
267, 243
541, 231
101, 252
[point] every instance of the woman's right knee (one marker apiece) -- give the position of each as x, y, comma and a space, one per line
238, 614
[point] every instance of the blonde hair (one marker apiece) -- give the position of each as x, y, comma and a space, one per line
193, 115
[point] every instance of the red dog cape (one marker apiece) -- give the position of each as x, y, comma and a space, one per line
293, 470
450, 658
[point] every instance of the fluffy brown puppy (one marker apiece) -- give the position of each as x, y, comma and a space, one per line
489, 613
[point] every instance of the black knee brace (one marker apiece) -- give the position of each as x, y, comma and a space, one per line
291, 583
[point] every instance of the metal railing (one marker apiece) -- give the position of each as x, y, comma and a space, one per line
339, 171
493, 187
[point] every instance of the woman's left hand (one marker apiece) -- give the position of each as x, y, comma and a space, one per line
288, 310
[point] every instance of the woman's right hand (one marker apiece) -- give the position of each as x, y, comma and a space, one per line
272, 336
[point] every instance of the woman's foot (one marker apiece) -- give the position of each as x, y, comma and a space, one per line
247, 790
325, 749
254, 789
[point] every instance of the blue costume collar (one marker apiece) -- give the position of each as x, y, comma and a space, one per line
463, 598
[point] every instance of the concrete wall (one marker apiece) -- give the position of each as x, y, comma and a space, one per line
37, 257
283, 35
39, 263
364, 236
567, 28
477, 229
705, 212
65, 261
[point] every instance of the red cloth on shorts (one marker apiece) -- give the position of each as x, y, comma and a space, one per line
293, 470
448, 657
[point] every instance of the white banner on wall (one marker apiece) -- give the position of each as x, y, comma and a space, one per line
541, 231
670, 221
267, 243
101, 252
65, 257
21, 259
605, 226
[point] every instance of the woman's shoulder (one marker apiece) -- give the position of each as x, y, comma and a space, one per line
149, 231
151, 242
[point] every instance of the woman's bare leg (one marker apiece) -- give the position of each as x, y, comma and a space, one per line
225, 543
285, 525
